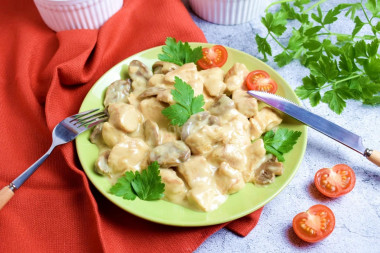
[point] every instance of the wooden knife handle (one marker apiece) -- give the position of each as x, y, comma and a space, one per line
5, 195
374, 156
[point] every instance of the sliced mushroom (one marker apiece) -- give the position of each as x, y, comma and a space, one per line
197, 121
170, 154
151, 92
162, 67
137, 70
101, 164
276, 167
263, 175
96, 134
152, 133
118, 91
222, 105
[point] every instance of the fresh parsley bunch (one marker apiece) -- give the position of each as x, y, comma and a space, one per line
348, 68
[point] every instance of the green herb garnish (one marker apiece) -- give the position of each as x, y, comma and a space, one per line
179, 52
280, 142
147, 185
186, 105
342, 66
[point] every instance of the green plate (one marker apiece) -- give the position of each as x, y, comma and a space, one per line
247, 200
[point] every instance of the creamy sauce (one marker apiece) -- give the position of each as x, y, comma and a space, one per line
211, 156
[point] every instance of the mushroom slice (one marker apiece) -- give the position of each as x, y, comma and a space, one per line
276, 167
162, 67
101, 164
152, 133
222, 105
117, 91
137, 70
151, 92
170, 154
197, 121
96, 134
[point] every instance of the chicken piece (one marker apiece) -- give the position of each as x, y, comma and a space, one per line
213, 81
175, 187
163, 67
199, 175
158, 80
151, 109
235, 128
265, 120
201, 133
228, 179
245, 103
101, 164
118, 91
189, 74
235, 77
170, 154
112, 135
231, 154
256, 155
129, 155
222, 105
124, 117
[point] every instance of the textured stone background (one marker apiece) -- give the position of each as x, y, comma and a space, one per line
357, 214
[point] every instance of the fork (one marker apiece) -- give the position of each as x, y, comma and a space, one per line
66, 131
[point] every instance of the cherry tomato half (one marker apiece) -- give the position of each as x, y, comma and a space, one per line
215, 56
336, 181
261, 81
315, 224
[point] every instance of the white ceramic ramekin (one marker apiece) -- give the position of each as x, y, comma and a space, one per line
62, 15
228, 12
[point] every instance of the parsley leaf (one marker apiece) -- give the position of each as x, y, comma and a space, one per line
179, 52
280, 142
186, 105
147, 185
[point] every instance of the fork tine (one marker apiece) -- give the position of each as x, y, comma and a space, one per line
89, 118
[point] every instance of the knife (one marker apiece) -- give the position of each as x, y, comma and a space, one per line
320, 124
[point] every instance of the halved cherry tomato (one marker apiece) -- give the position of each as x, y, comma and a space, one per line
336, 181
215, 56
315, 224
261, 81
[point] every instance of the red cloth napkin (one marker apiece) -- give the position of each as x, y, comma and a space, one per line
44, 77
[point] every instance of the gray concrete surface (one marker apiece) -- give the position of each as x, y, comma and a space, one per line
357, 213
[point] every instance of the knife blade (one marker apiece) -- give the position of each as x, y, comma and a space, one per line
318, 123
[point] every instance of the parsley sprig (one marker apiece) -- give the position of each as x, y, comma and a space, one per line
186, 104
146, 185
179, 52
347, 68
280, 142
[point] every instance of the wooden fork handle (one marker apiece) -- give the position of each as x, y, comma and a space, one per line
5, 195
